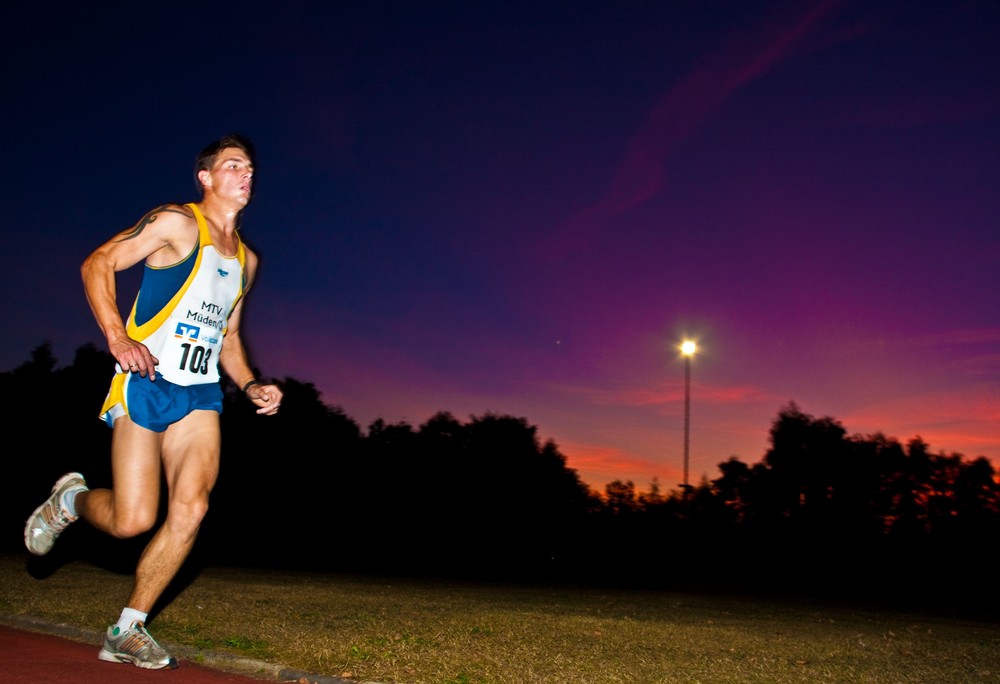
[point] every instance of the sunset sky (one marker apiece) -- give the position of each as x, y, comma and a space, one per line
523, 208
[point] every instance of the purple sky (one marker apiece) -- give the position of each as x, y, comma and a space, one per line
523, 208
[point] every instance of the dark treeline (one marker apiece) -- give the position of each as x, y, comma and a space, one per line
486, 498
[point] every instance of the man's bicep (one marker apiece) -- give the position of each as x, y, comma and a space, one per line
166, 230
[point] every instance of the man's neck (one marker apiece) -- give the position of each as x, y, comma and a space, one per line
221, 215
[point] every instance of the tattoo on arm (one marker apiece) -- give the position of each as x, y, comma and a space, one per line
148, 219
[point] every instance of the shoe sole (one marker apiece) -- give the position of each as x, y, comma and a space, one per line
109, 657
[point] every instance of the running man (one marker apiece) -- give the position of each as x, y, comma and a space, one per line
165, 397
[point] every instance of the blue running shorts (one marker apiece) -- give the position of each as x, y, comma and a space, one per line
155, 405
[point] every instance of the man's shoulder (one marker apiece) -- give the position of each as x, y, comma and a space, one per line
172, 226
174, 211
170, 217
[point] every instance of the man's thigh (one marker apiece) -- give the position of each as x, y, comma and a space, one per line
135, 465
190, 453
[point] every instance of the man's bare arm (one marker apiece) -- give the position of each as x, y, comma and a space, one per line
233, 357
163, 231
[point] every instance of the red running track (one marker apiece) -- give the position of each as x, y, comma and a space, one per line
27, 656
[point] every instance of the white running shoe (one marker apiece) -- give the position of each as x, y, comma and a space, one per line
51, 518
135, 646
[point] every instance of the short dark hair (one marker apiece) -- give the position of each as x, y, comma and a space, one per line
206, 158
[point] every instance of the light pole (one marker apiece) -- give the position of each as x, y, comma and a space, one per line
688, 348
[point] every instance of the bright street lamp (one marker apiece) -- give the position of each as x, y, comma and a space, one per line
688, 349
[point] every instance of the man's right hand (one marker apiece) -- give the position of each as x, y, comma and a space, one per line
134, 357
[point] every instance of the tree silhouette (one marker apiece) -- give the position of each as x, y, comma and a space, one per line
485, 496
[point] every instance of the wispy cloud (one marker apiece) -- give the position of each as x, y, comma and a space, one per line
684, 109
965, 420
671, 394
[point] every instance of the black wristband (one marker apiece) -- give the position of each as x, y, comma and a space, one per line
249, 385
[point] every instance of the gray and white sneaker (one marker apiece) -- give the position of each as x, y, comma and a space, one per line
134, 645
52, 517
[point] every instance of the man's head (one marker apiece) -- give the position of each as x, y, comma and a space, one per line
207, 158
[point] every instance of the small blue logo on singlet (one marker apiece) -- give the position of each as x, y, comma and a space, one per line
222, 273
186, 330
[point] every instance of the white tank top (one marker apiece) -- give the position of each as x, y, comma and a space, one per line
186, 334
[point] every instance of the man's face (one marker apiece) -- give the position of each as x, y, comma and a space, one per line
231, 177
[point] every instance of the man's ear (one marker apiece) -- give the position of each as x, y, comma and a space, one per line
205, 178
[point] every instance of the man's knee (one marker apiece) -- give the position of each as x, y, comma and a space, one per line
188, 513
131, 523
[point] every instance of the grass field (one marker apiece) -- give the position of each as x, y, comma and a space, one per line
413, 631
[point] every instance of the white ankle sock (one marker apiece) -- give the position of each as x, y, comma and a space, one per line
130, 615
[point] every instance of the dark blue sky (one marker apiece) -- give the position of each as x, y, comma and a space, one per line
522, 208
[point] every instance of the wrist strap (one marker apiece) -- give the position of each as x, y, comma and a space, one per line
250, 384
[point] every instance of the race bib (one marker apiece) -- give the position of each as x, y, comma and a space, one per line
189, 356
